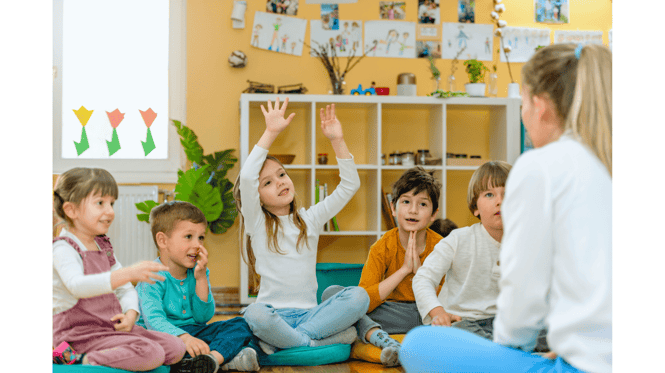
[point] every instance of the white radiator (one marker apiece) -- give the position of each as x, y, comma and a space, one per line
131, 239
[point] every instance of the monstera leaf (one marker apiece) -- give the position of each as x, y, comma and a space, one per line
192, 187
229, 214
146, 207
190, 143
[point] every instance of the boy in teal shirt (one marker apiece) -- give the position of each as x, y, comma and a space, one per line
183, 304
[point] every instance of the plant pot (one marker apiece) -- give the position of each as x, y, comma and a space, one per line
475, 89
514, 90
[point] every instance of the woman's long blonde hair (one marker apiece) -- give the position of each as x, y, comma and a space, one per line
581, 90
272, 228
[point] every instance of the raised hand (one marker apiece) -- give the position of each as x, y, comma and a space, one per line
201, 263
330, 125
275, 121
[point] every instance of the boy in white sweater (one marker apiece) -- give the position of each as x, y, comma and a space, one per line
469, 258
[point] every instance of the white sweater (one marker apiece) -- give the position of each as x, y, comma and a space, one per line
557, 255
468, 258
289, 280
70, 284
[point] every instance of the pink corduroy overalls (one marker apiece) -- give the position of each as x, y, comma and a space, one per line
88, 328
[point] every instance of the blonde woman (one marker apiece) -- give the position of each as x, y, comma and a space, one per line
556, 254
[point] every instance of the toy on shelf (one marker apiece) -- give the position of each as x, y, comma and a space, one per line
359, 91
256, 87
292, 88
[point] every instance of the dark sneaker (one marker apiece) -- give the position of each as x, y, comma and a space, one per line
198, 364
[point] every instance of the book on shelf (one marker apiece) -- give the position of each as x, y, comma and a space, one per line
320, 193
387, 212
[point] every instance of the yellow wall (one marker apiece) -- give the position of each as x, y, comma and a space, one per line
213, 92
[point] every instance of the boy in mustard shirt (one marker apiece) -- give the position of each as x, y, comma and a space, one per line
393, 261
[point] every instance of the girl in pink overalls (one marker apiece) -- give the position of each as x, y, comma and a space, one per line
94, 303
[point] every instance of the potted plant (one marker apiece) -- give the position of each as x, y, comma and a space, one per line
204, 185
476, 71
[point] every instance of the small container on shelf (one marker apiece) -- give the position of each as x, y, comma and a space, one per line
395, 158
423, 154
322, 158
383, 159
408, 159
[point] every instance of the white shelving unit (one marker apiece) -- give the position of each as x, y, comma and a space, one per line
374, 117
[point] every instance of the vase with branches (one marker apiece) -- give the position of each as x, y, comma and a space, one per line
327, 54
453, 67
499, 32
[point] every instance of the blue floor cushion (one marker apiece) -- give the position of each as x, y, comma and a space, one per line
78, 368
307, 356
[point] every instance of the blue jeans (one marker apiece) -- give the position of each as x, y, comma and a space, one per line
444, 349
226, 337
295, 327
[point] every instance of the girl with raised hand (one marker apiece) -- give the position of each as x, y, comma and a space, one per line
280, 242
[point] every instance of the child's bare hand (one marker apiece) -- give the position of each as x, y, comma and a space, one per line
201, 264
408, 266
146, 271
330, 125
126, 321
414, 252
445, 319
194, 345
275, 121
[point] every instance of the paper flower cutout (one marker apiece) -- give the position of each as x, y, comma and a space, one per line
148, 116
83, 115
115, 117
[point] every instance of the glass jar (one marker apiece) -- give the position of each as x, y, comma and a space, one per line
451, 83
323, 158
395, 158
383, 159
494, 85
423, 154
408, 159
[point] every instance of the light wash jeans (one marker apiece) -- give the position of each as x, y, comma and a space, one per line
294, 327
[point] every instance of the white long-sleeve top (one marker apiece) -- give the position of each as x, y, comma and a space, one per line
468, 258
70, 284
289, 280
556, 259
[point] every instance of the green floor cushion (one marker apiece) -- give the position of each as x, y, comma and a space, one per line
77, 368
307, 356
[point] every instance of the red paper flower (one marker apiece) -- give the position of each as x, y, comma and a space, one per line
115, 117
148, 116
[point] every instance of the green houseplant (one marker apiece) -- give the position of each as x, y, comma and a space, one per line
476, 71
204, 185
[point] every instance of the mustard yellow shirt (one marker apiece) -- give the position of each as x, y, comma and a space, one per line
386, 257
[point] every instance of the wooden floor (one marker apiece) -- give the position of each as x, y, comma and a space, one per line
350, 366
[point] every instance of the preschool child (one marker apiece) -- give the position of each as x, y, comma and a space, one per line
280, 242
394, 259
556, 257
443, 226
469, 259
95, 305
183, 304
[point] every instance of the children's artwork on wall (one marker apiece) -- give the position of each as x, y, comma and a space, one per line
278, 33
523, 42
347, 40
476, 39
392, 9
330, 16
584, 37
466, 10
551, 11
288, 7
394, 38
426, 48
429, 11
330, 1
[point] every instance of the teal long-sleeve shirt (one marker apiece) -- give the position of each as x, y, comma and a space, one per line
167, 305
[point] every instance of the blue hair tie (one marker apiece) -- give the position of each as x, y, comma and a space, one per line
578, 50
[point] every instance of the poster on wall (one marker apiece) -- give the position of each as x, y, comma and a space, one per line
347, 41
288, 7
278, 33
393, 39
577, 37
429, 11
523, 42
476, 39
551, 11
330, 16
466, 10
428, 40
392, 10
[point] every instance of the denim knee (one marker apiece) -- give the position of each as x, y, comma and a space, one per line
358, 300
258, 315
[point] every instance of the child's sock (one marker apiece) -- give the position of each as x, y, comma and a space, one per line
267, 348
389, 347
346, 336
245, 361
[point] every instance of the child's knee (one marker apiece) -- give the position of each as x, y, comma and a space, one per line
358, 299
258, 316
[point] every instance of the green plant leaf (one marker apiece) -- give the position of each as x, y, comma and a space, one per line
221, 162
192, 187
190, 143
145, 207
